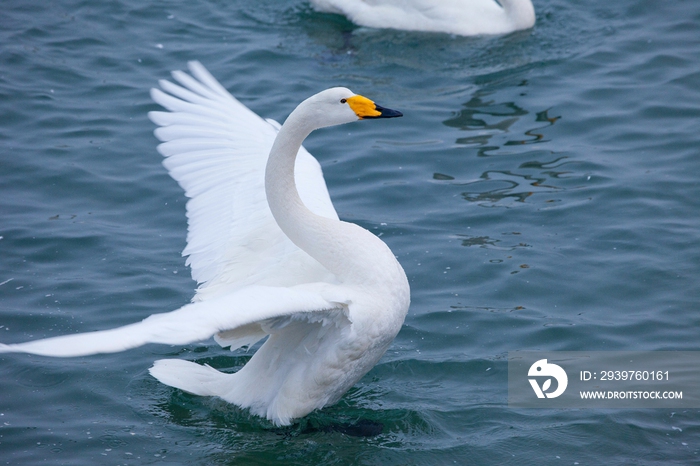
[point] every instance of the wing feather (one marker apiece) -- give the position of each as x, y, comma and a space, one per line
199, 321
176, 105
252, 279
168, 118
203, 75
217, 149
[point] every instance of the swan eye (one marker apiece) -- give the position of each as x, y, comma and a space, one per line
342, 101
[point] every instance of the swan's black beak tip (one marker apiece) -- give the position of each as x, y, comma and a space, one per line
386, 113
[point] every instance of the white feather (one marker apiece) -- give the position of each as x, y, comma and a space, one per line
461, 17
330, 295
194, 322
221, 166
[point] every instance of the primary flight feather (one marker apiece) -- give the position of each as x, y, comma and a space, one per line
269, 253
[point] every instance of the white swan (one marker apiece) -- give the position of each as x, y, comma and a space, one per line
461, 17
270, 260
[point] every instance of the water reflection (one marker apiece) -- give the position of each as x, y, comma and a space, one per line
467, 119
549, 167
491, 243
491, 125
502, 187
487, 118
536, 137
498, 186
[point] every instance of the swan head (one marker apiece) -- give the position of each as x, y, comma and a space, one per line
339, 105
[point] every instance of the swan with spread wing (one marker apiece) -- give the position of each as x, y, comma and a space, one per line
270, 255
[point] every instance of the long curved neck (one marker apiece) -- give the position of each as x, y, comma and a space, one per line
324, 239
280, 187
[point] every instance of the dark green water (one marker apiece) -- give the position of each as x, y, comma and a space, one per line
542, 193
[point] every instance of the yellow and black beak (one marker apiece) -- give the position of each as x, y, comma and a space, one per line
366, 109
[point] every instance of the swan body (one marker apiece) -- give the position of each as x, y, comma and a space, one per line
269, 253
461, 17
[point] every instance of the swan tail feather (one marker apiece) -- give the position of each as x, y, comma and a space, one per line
191, 377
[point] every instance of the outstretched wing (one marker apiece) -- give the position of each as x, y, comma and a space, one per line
217, 149
262, 307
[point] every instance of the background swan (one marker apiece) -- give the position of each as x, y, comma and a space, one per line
271, 259
461, 17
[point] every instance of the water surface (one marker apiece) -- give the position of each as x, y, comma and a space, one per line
541, 193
